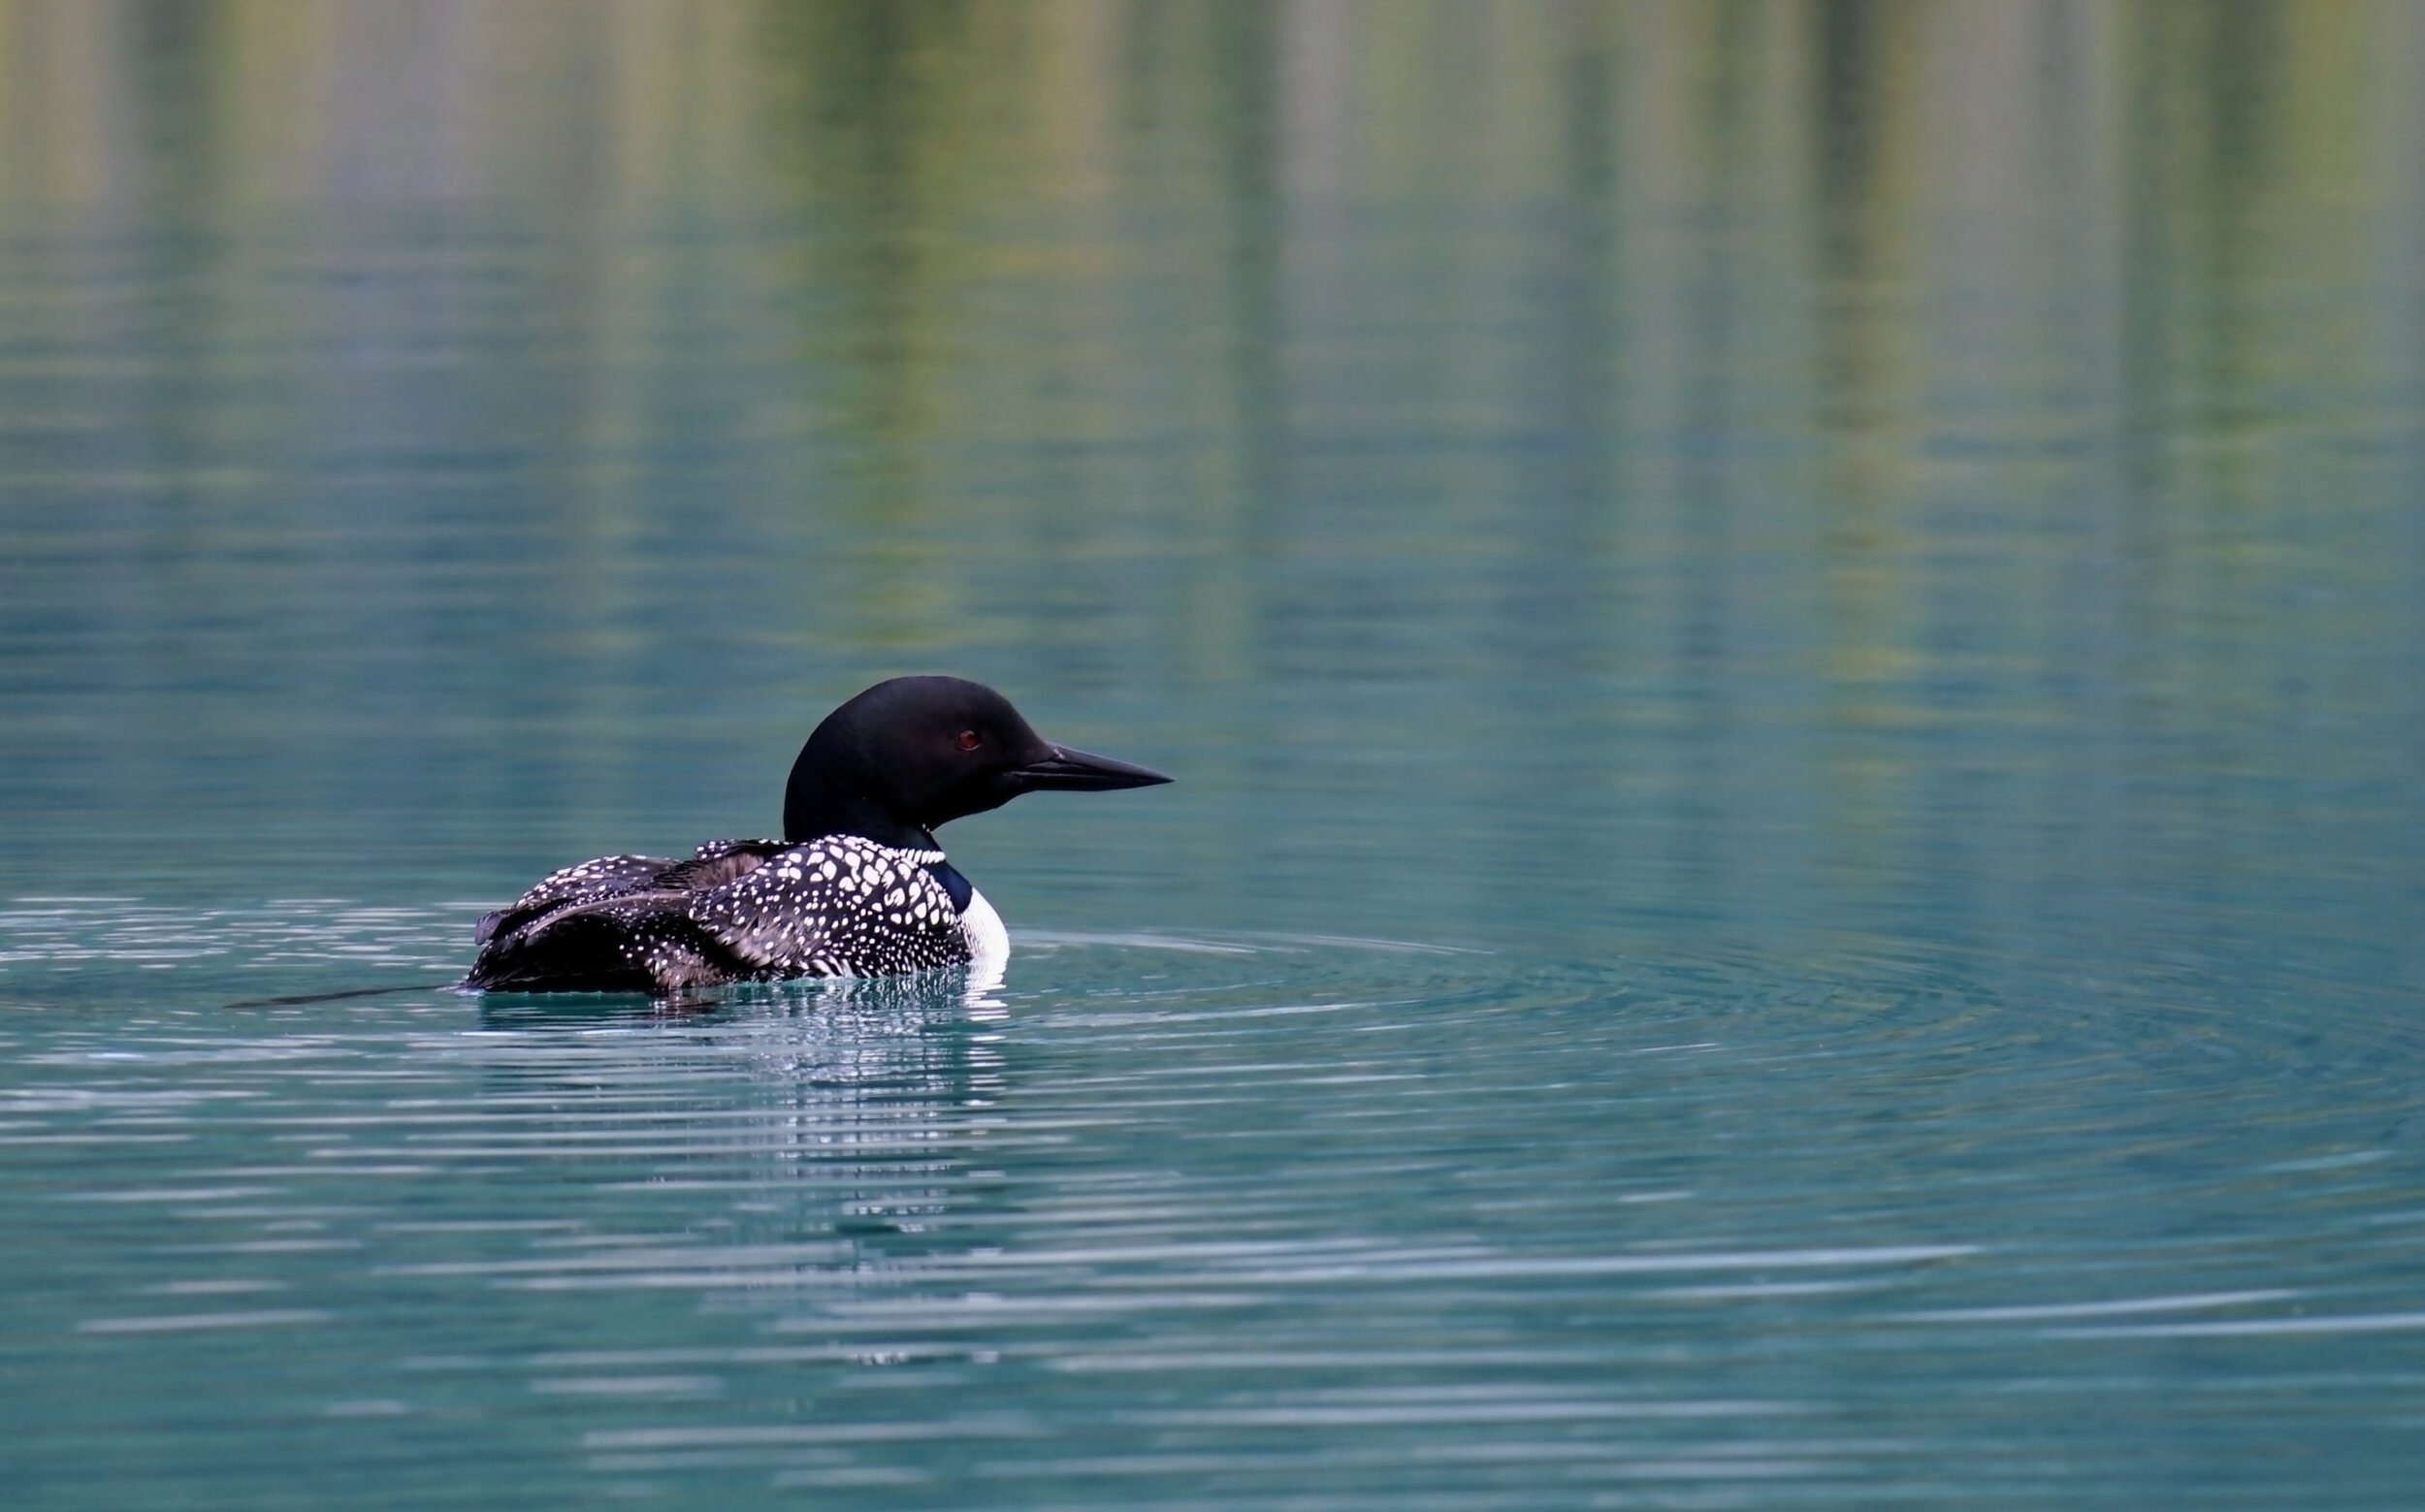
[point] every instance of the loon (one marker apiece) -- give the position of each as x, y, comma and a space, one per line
855, 887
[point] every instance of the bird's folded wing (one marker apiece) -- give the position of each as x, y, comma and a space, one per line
841, 906
606, 876
717, 863
778, 913
621, 942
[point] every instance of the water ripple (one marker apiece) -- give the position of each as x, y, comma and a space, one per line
1277, 1212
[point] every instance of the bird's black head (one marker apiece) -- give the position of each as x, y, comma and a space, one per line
916, 752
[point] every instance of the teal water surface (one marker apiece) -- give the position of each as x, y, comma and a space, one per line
1791, 636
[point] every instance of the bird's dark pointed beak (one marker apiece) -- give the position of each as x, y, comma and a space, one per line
1077, 771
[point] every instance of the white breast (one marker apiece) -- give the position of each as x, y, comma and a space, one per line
989, 942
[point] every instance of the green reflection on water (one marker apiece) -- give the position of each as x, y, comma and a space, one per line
1822, 437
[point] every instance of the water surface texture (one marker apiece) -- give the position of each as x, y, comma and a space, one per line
1793, 636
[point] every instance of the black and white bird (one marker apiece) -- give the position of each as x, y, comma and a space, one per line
855, 887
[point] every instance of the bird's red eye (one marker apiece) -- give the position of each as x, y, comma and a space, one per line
970, 740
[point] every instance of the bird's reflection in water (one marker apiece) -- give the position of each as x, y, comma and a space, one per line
773, 1141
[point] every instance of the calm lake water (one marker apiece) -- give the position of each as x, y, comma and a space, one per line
1794, 637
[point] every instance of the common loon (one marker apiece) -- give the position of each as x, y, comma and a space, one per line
855, 887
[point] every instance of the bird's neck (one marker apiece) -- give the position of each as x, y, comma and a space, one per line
814, 815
